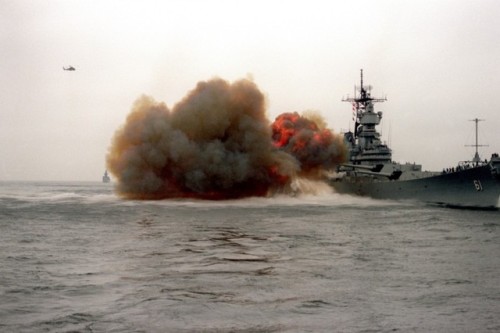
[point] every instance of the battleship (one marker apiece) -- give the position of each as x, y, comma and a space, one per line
370, 170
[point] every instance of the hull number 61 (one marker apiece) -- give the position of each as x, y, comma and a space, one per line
477, 185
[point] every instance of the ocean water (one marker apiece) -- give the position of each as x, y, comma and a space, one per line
75, 258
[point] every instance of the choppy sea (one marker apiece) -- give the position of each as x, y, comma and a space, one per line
76, 258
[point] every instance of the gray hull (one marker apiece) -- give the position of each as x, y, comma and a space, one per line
472, 188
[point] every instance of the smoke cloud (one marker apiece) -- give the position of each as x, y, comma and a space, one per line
305, 137
214, 144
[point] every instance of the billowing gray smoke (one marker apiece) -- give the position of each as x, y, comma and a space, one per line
214, 144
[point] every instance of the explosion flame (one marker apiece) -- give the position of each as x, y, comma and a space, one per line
313, 147
215, 144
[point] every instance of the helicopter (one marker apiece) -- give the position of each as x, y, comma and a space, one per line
70, 68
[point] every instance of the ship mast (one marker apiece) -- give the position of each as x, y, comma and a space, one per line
476, 158
361, 103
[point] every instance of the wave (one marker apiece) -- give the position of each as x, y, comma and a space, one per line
51, 193
303, 192
330, 199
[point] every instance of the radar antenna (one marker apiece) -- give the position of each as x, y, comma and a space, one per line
365, 94
476, 158
360, 103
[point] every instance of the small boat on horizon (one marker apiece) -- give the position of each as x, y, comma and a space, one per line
105, 178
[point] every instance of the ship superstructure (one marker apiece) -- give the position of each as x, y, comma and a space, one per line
364, 144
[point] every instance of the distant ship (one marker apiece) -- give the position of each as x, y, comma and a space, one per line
105, 178
371, 172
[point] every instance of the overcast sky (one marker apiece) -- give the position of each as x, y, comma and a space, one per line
436, 61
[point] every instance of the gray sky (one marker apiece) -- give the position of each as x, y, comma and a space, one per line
437, 62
